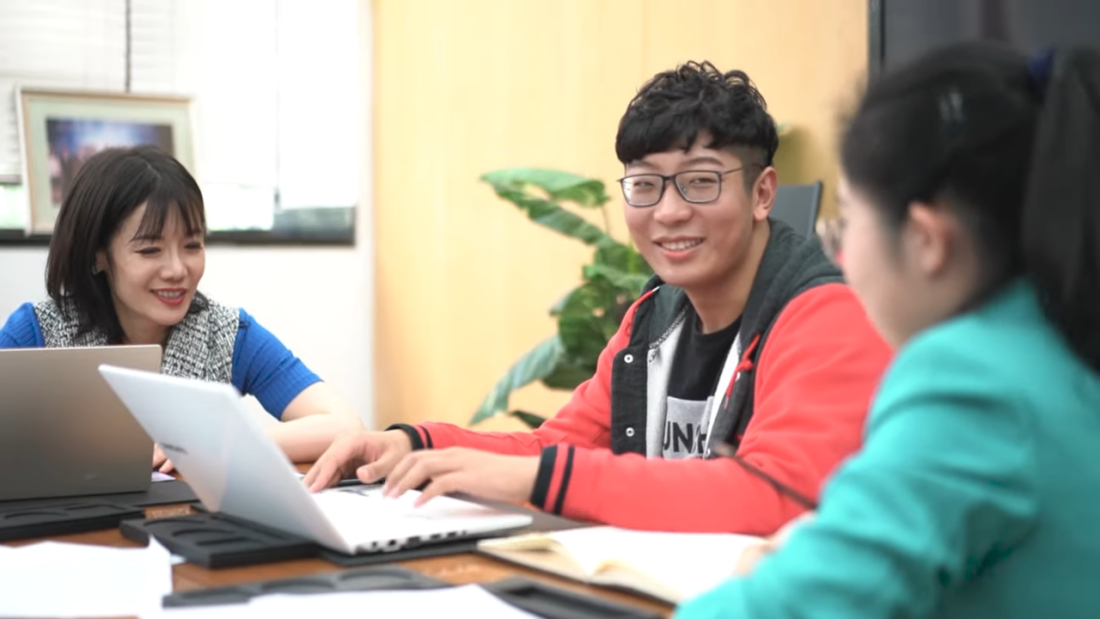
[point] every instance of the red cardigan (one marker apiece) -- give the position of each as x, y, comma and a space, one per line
814, 382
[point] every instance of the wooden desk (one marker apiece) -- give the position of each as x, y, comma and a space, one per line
456, 569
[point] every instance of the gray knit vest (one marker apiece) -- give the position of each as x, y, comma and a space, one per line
200, 346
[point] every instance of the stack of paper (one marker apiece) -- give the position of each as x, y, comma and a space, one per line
54, 579
467, 601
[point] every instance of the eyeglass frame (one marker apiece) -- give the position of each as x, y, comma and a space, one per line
672, 177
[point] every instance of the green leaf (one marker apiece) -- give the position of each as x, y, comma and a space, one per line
631, 283
590, 314
530, 419
514, 185
558, 219
559, 186
570, 372
538, 363
585, 324
559, 305
623, 258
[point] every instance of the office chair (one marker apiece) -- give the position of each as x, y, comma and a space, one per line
797, 206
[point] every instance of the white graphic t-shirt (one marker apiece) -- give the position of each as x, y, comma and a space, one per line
696, 369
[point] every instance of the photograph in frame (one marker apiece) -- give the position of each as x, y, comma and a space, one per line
60, 130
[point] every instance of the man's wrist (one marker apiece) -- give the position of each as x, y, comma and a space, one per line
411, 433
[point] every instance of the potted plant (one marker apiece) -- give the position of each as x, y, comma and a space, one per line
587, 315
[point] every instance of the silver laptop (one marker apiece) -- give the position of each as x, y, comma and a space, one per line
63, 432
236, 469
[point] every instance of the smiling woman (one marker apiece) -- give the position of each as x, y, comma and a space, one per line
124, 266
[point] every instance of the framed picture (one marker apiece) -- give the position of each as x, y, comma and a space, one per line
60, 130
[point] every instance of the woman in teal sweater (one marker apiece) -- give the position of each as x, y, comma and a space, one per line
971, 199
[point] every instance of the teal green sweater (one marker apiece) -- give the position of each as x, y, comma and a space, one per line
976, 494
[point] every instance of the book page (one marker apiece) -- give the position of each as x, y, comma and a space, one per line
687, 563
536, 550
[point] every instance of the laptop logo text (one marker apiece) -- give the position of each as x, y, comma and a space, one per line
171, 447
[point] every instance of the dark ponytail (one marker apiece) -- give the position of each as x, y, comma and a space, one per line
1013, 149
1061, 216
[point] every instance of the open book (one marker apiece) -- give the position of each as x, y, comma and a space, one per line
669, 566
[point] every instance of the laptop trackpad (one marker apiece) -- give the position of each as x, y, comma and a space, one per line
374, 523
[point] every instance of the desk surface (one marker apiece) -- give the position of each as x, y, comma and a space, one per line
456, 569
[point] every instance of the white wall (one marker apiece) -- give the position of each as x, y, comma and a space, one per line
22, 277
318, 301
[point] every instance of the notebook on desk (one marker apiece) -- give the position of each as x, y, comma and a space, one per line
667, 566
236, 469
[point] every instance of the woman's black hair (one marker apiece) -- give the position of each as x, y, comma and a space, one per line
109, 187
1013, 148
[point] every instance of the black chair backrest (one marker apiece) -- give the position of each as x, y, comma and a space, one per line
797, 206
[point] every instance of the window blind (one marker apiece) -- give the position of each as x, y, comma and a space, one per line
59, 44
275, 87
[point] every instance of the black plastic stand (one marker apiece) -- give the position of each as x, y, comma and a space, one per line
63, 519
215, 540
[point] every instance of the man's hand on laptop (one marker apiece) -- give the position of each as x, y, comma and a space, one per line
458, 469
370, 456
160, 461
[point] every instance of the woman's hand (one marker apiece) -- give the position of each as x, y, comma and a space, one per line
161, 462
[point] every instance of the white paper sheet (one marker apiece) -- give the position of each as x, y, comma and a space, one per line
54, 579
465, 601
158, 476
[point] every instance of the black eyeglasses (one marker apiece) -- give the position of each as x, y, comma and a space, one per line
695, 186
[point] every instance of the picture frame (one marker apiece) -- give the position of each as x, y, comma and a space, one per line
60, 129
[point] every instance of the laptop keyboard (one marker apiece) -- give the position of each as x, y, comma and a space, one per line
364, 516
367, 501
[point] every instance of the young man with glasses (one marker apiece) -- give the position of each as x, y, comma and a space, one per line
746, 344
